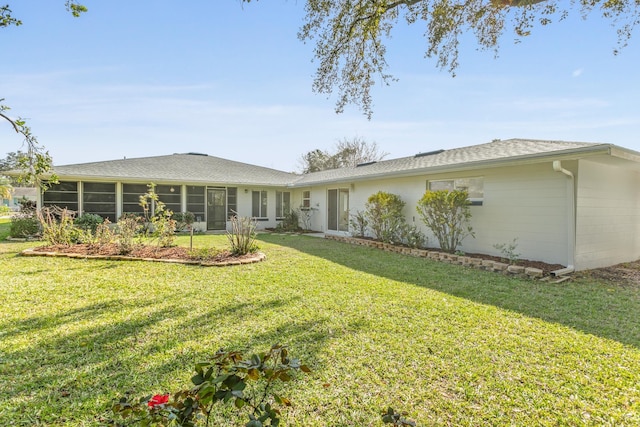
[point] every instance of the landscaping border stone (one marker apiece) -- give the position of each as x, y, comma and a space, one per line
257, 257
467, 261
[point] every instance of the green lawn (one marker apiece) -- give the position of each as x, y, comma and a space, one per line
447, 344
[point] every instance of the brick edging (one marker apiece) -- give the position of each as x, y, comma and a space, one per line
479, 263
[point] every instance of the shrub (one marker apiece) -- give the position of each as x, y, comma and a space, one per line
242, 235
447, 215
5, 210
412, 236
88, 222
384, 213
184, 220
163, 226
305, 215
103, 235
57, 226
127, 228
508, 250
290, 222
24, 224
358, 223
229, 378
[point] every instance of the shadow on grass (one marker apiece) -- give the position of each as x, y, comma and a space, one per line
70, 362
600, 309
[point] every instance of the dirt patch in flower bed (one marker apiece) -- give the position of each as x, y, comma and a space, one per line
626, 274
177, 254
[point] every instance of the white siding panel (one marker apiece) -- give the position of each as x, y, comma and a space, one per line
608, 215
525, 202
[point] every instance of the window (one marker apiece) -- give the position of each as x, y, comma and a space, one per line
195, 202
63, 195
170, 196
99, 198
232, 201
306, 199
338, 209
473, 186
283, 203
259, 204
131, 197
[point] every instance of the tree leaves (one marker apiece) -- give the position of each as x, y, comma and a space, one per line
350, 35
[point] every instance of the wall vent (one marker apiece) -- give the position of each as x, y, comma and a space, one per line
365, 164
429, 153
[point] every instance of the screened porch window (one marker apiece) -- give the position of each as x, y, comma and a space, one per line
196, 202
131, 197
64, 195
99, 198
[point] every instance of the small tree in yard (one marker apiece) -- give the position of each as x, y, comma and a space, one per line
383, 212
447, 214
159, 217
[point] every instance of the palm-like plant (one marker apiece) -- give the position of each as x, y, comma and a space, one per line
5, 188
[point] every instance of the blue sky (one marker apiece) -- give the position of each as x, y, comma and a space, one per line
129, 79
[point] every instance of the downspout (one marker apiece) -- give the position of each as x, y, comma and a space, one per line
571, 220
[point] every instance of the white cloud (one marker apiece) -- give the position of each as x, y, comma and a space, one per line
578, 72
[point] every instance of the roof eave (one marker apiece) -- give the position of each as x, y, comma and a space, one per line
163, 181
572, 153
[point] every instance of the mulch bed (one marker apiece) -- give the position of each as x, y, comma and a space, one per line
145, 252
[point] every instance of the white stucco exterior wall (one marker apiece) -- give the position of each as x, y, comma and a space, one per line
608, 215
527, 202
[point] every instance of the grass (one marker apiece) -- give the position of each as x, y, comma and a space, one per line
449, 345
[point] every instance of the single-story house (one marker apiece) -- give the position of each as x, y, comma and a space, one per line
17, 195
570, 203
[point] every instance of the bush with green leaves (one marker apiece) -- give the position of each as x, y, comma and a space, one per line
127, 229
242, 236
383, 212
250, 384
184, 220
24, 224
290, 222
358, 224
447, 215
5, 210
508, 251
88, 222
412, 236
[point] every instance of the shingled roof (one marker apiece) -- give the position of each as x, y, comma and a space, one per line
189, 167
457, 158
201, 168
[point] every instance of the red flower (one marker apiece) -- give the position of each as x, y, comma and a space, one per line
158, 399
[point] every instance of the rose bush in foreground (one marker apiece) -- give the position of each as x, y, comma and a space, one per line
229, 378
